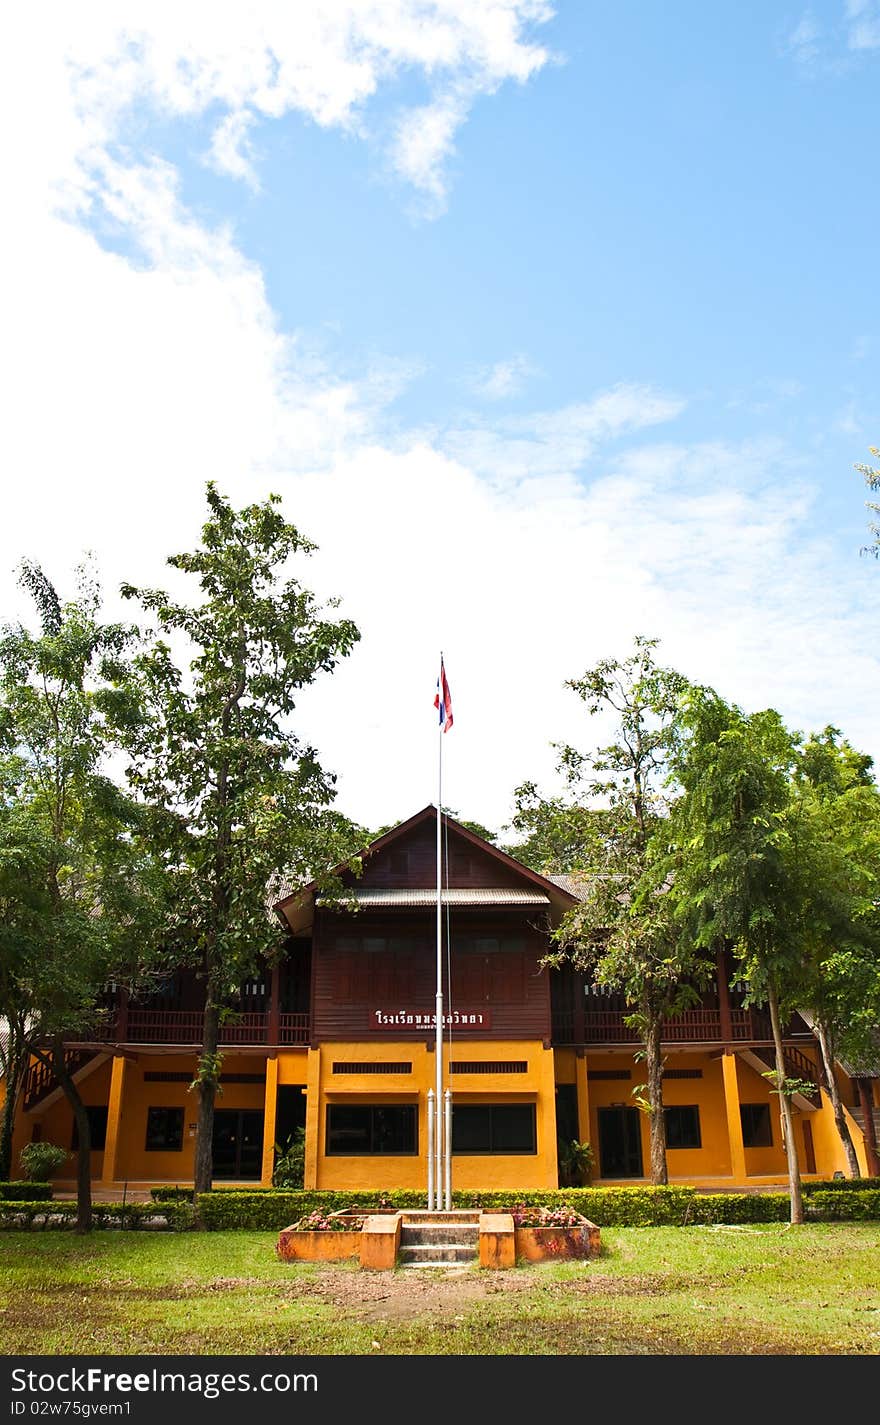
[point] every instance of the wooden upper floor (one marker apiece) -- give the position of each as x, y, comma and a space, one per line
368, 970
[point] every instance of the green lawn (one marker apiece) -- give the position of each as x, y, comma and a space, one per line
762, 1289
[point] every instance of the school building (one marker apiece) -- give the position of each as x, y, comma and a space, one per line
339, 1038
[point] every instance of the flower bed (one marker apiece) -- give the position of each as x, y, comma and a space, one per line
553, 1234
322, 1237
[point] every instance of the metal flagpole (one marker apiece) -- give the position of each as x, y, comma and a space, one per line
430, 1150
438, 1121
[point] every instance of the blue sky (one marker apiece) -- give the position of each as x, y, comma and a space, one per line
550, 323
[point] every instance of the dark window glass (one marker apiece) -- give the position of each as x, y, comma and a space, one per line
493, 1128
683, 1126
489, 944
164, 1130
367, 1129
97, 1129
756, 1125
471, 1129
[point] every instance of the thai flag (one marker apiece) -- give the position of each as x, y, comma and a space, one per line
443, 701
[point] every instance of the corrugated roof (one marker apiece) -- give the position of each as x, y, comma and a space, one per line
489, 895
575, 884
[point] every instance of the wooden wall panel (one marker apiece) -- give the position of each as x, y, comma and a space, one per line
412, 861
350, 985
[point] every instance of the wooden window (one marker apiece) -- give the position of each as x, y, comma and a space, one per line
373, 967
493, 1128
757, 1128
371, 1066
368, 1130
488, 1066
488, 969
97, 1129
683, 1126
164, 1130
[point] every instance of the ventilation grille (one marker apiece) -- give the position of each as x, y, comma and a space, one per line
623, 1075
488, 1066
372, 1066
682, 1073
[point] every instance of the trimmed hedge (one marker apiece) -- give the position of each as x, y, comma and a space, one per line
844, 1207
185, 1194
270, 1211
731, 1208
23, 1191
607, 1207
842, 1185
170, 1216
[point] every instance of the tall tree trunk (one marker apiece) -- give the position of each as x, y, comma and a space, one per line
654, 1064
868, 1133
83, 1157
209, 1063
16, 1067
794, 1179
209, 1071
836, 1104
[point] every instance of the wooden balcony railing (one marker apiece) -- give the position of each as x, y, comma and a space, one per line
184, 1026
606, 1026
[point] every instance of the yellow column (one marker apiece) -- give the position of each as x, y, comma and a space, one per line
583, 1093
313, 1118
110, 1170
547, 1118
269, 1120
734, 1121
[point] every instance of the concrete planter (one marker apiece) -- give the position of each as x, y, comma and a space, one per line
337, 1245
556, 1244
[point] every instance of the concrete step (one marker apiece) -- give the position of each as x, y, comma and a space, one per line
416, 1217
438, 1254
431, 1233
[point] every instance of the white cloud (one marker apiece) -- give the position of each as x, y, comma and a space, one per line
264, 60
129, 381
863, 31
813, 45
692, 544
424, 139
504, 379
231, 151
554, 445
803, 41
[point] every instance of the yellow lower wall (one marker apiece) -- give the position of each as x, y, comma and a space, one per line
312, 1069
536, 1085
56, 1121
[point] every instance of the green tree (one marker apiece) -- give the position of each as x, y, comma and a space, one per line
551, 832
25, 863
841, 801
240, 799
872, 480
78, 893
623, 932
744, 859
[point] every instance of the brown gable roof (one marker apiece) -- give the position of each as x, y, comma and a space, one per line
291, 906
